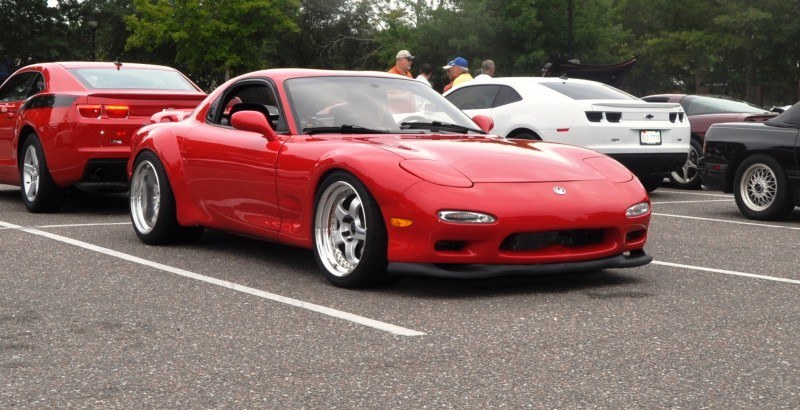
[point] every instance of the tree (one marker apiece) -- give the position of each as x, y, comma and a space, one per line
215, 39
32, 32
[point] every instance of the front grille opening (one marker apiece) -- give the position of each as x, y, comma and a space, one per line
594, 116
613, 116
529, 241
680, 116
449, 246
673, 116
635, 236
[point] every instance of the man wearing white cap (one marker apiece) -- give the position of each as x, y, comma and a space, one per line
402, 64
458, 71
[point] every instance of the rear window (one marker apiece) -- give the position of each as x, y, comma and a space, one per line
588, 91
131, 78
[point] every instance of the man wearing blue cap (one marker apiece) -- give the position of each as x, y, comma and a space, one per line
458, 71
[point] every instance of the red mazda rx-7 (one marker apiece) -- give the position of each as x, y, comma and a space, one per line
380, 175
69, 124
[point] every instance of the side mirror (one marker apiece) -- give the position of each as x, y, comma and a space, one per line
484, 123
253, 121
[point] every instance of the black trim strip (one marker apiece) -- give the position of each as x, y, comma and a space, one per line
49, 101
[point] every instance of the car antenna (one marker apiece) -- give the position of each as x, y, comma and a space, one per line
563, 76
117, 63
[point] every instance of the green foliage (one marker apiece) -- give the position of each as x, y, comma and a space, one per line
745, 49
32, 32
213, 37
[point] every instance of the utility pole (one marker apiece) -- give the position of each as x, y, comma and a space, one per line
570, 27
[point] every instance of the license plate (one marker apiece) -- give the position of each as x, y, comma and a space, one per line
650, 137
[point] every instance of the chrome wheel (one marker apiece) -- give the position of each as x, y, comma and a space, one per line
145, 197
30, 173
687, 174
758, 187
340, 228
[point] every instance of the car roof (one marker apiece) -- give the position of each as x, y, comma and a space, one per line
288, 73
531, 80
98, 64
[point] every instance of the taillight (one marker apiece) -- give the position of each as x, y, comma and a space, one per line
117, 111
90, 111
96, 110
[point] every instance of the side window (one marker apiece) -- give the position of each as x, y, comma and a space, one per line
474, 97
18, 87
506, 95
37, 86
248, 96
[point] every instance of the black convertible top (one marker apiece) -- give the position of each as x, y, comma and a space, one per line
787, 119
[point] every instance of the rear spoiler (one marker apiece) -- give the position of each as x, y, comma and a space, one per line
170, 115
760, 117
149, 95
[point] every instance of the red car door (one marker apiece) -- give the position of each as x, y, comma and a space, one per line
13, 94
231, 174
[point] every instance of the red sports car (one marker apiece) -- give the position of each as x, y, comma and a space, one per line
703, 111
69, 124
379, 174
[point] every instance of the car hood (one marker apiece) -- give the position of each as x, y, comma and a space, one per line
489, 159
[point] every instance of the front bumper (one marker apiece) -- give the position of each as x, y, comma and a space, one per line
713, 176
645, 165
456, 271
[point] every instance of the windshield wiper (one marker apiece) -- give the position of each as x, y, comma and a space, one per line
437, 125
344, 129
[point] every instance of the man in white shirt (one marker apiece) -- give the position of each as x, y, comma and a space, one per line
487, 70
425, 72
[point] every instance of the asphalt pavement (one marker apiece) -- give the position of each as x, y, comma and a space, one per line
91, 317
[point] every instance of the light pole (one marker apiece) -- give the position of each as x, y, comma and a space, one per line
93, 26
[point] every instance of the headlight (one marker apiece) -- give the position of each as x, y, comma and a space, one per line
639, 209
466, 217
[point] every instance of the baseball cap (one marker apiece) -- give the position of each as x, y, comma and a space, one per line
457, 62
404, 54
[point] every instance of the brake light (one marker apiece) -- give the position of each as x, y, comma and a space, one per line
90, 111
96, 110
117, 111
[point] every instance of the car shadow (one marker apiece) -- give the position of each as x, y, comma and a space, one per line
598, 284
75, 202
594, 284
79, 202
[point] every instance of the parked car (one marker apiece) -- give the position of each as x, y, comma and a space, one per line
703, 111
379, 174
758, 162
69, 124
650, 139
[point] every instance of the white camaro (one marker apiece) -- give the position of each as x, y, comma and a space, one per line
651, 139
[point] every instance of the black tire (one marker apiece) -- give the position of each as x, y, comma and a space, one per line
761, 189
350, 248
524, 135
652, 182
152, 204
39, 192
687, 177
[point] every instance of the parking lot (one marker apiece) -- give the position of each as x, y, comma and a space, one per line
91, 317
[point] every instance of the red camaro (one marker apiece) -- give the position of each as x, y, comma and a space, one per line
69, 124
379, 174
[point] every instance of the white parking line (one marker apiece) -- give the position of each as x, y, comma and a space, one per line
692, 202
72, 225
386, 327
702, 193
727, 272
763, 225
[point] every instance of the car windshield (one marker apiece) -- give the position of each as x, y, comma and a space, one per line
711, 105
364, 103
132, 78
587, 91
